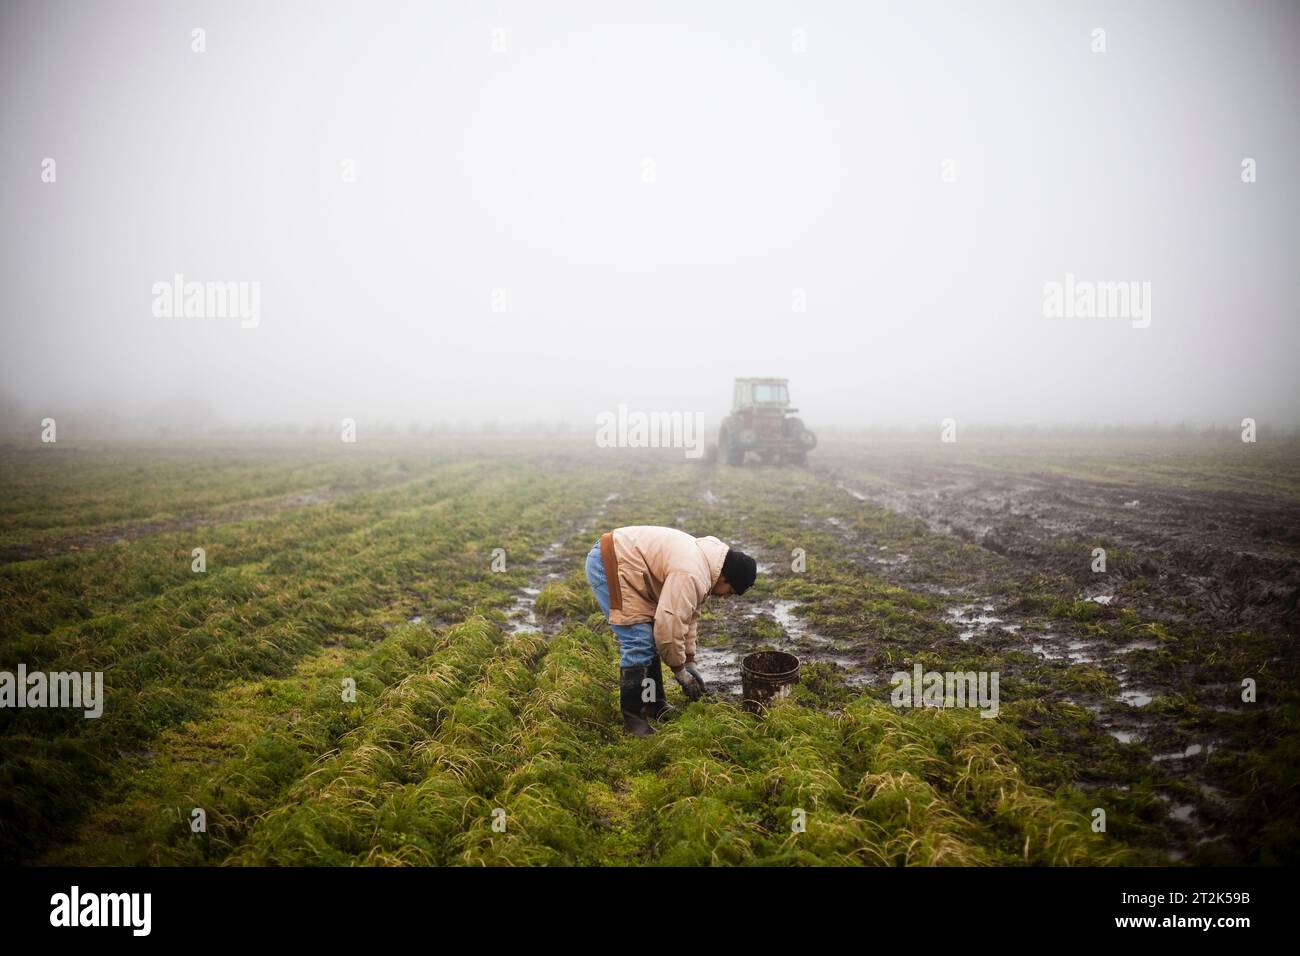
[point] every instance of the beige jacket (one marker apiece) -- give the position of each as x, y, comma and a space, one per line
666, 576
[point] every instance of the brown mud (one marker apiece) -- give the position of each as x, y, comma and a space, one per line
993, 570
1204, 556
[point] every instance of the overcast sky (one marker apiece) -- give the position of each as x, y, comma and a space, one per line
656, 189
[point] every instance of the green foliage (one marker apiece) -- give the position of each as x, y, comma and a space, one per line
470, 745
570, 597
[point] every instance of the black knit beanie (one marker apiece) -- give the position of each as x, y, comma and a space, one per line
740, 570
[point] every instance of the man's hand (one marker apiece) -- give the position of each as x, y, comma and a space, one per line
699, 678
692, 687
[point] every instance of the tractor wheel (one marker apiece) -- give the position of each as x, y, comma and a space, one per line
734, 456
794, 429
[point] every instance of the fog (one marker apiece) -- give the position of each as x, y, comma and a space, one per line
537, 212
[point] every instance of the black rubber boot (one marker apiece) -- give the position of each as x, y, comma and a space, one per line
660, 709
630, 703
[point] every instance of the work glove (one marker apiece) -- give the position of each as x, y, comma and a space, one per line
699, 678
691, 687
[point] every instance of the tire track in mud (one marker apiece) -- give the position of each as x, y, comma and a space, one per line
977, 616
550, 565
980, 618
975, 611
522, 614
1233, 557
1052, 639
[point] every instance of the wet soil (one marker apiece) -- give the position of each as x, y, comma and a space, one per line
1200, 589
1204, 556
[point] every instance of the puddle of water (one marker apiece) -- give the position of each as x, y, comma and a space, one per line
1046, 653
551, 552
1076, 652
889, 561
1104, 599
856, 494
1079, 652
522, 615
796, 629
1183, 812
959, 615
975, 617
1125, 736
1134, 698
720, 668
1212, 793
1138, 646
415, 620
783, 611
525, 622
1193, 750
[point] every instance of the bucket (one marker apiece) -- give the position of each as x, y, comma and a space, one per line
766, 676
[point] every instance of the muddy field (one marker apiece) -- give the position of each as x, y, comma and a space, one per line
1199, 593
1120, 689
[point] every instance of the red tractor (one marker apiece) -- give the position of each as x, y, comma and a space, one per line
760, 423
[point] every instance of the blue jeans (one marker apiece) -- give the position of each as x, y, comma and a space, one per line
636, 642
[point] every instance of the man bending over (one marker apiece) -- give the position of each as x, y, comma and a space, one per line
651, 583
